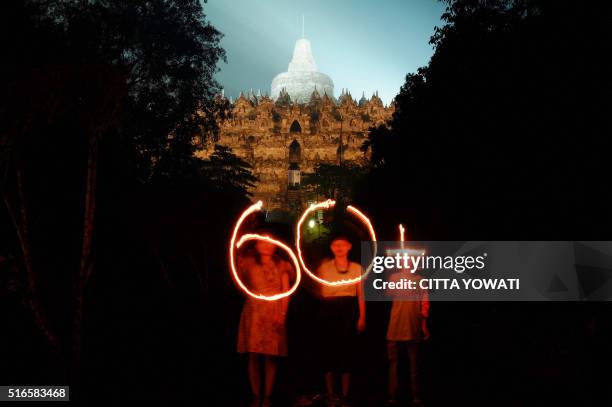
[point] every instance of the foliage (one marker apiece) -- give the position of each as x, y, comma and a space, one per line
98, 100
505, 129
166, 50
334, 181
227, 171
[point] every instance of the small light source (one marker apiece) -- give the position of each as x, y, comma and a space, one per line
311, 223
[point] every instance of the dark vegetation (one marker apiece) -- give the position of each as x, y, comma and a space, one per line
505, 135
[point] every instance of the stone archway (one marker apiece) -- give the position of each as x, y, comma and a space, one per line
295, 127
295, 152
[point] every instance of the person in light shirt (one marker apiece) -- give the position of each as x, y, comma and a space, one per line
406, 330
342, 315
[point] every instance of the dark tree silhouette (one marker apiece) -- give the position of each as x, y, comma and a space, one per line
78, 76
334, 181
505, 135
229, 172
505, 131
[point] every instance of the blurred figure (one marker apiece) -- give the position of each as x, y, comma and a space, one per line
262, 332
406, 330
342, 315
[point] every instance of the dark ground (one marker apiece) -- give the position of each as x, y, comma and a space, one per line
151, 347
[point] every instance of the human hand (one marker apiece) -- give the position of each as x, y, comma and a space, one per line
425, 329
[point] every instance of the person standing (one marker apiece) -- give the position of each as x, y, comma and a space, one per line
406, 330
262, 332
342, 316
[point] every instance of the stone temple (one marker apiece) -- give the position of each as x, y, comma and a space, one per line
300, 125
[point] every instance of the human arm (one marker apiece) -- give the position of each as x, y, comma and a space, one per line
281, 315
285, 288
425, 314
361, 322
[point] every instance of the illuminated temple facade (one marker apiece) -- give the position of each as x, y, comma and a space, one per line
300, 125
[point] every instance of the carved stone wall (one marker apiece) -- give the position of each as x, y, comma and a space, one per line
260, 131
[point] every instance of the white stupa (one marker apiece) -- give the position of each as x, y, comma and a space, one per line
302, 77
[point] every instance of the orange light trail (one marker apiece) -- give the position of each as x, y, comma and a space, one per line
367, 222
298, 238
253, 236
402, 249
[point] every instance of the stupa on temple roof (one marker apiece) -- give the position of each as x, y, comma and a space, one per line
302, 77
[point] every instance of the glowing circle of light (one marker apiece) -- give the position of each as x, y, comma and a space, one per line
330, 203
253, 236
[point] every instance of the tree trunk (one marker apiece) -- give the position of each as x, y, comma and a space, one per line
20, 222
162, 266
86, 264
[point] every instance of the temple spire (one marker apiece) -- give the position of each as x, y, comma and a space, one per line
302, 57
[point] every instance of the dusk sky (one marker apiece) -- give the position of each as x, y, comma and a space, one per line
363, 45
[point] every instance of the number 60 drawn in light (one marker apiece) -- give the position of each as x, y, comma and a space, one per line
253, 236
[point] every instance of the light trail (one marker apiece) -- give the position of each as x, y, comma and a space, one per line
253, 236
298, 238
